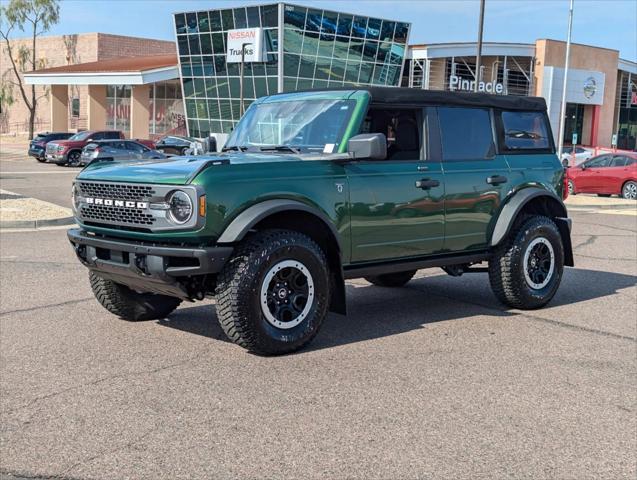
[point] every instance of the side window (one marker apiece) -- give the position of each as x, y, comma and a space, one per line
630, 161
402, 128
111, 135
465, 133
135, 147
97, 136
618, 161
170, 141
601, 161
526, 131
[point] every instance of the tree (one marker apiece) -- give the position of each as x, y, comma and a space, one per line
35, 17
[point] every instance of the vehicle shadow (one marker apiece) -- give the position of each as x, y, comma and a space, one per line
376, 312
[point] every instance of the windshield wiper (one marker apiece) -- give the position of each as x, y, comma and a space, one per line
280, 148
238, 148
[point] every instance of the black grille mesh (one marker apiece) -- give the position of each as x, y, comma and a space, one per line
116, 191
125, 216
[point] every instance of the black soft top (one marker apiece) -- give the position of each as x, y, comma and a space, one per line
410, 96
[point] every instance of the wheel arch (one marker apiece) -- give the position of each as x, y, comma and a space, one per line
534, 201
302, 218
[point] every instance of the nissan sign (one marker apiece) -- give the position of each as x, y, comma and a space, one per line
249, 39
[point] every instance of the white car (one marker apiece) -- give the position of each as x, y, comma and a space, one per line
581, 154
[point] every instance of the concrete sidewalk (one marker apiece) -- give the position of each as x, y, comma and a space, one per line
17, 211
593, 201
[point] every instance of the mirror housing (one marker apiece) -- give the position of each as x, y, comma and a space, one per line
367, 145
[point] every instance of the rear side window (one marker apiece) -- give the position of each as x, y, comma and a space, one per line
110, 135
525, 131
465, 133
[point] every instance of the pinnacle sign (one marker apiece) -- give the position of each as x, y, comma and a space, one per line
250, 39
459, 83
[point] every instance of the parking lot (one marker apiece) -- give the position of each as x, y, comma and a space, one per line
436, 379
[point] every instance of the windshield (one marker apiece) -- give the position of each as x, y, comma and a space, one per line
309, 125
79, 136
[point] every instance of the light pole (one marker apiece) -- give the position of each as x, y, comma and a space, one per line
479, 55
243, 55
560, 136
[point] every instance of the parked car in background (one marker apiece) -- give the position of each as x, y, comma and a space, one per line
68, 152
573, 156
174, 144
117, 150
37, 146
606, 175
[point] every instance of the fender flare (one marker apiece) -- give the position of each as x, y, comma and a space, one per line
246, 220
513, 207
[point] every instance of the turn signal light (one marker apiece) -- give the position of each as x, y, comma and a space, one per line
202, 206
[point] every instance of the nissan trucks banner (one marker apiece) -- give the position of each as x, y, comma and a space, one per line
249, 38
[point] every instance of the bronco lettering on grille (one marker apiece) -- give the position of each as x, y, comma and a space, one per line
109, 202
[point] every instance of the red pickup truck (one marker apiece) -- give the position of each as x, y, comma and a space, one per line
68, 152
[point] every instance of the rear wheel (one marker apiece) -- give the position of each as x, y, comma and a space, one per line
526, 269
273, 294
128, 304
629, 190
398, 279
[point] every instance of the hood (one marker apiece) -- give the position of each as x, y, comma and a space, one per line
176, 170
68, 143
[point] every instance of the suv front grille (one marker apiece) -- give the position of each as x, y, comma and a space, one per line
119, 191
116, 215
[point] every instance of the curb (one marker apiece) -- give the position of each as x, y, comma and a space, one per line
602, 207
35, 224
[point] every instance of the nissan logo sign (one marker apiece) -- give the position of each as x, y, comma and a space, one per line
590, 87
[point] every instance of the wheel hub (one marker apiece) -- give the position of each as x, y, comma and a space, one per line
539, 263
287, 294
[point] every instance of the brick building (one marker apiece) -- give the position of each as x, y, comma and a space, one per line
65, 50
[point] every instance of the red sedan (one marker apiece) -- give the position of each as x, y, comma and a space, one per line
606, 175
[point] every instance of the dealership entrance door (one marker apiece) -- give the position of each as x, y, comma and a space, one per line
574, 122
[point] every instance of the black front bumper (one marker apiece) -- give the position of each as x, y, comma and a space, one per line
147, 267
36, 153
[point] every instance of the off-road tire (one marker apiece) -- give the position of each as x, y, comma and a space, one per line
239, 284
128, 304
506, 269
397, 279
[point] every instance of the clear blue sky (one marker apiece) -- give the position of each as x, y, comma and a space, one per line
603, 23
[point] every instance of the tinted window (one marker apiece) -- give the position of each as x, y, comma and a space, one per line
110, 135
465, 133
618, 161
525, 131
630, 161
135, 147
601, 161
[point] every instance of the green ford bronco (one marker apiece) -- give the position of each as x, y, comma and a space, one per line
316, 187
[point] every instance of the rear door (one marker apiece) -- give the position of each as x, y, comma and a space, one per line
396, 205
476, 178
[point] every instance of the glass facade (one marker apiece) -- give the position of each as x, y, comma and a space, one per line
311, 48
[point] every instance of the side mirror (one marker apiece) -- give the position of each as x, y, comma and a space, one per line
368, 145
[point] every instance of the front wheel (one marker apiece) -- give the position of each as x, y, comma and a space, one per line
73, 158
571, 187
629, 190
128, 304
41, 159
273, 294
526, 269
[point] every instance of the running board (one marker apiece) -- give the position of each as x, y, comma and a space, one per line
365, 270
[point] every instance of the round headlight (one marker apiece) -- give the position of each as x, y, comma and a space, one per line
75, 197
180, 207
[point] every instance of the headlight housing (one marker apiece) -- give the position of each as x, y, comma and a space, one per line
180, 207
75, 198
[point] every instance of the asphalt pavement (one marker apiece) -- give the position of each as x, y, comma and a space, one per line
433, 380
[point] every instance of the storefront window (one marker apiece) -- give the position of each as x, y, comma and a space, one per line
166, 109
118, 107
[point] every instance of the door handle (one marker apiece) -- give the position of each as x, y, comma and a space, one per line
427, 183
497, 179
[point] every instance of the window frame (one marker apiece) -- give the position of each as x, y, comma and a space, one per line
424, 119
494, 138
501, 140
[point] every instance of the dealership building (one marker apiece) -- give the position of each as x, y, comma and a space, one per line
288, 47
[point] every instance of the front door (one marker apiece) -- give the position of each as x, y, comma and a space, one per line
589, 179
476, 179
396, 205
